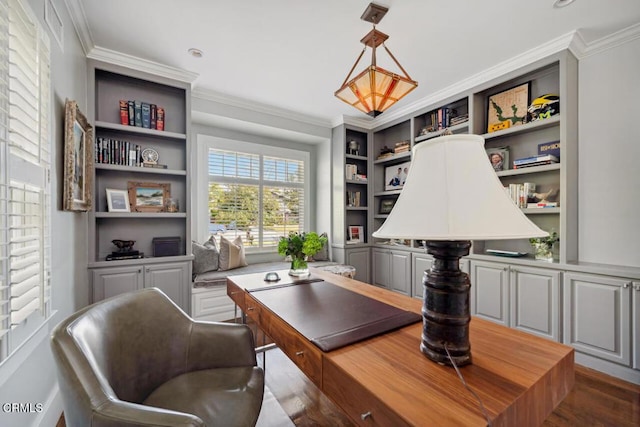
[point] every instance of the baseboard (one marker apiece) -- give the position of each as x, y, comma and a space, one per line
622, 372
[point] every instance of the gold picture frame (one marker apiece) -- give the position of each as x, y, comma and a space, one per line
508, 108
78, 159
148, 196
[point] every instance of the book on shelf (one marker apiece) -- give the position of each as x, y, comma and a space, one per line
350, 171
124, 112
116, 152
536, 159
520, 194
160, 119
146, 115
552, 148
385, 155
132, 113
114, 257
137, 108
353, 199
528, 165
153, 115
153, 165
540, 205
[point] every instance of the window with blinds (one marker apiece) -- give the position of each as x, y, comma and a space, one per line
255, 196
25, 201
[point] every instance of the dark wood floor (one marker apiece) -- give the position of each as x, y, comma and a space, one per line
596, 399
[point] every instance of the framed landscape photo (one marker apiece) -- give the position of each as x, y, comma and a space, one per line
395, 176
508, 108
78, 159
386, 205
118, 200
148, 196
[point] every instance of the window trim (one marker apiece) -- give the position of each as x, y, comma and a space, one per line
204, 142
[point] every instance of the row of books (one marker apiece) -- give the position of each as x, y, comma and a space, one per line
353, 199
117, 152
443, 118
521, 194
526, 162
141, 114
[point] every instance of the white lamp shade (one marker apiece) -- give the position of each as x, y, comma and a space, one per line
453, 193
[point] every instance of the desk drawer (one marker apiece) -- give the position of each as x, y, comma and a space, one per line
254, 310
305, 355
363, 407
236, 294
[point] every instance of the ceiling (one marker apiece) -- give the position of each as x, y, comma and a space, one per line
293, 54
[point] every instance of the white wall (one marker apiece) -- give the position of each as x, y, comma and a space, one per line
609, 153
28, 376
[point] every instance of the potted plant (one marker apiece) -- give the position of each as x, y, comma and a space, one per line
543, 246
299, 246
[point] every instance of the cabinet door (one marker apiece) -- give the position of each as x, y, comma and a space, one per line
359, 258
420, 263
597, 316
636, 325
490, 291
381, 267
400, 280
535, 301
172, 279
109, 282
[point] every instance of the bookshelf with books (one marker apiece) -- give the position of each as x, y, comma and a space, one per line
542, 154
132, 157
350, 193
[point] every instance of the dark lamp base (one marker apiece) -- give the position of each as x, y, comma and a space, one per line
445, 308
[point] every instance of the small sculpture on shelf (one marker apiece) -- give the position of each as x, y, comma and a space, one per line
125, 250
353, 148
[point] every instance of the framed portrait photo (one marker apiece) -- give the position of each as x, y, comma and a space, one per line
148, 196
508, 108
78, 159
499, 158
118, 200
395, 176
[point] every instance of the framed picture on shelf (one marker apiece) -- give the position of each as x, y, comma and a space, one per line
395, 176
508, 108
148, 196
78, 159
499, 158
386, 205
356, 234
118, 200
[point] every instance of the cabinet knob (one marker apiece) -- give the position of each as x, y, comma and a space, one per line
250, 308
636, 286
299, 353
365, 415
626, 285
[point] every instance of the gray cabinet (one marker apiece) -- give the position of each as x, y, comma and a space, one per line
525, 298
490, 291
359, 258
535, 301
420, 263
172, 278
598, 316
392, 270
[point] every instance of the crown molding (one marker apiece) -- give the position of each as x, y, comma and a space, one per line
611, 41
79, 21
553, 46
135, 63
245, 104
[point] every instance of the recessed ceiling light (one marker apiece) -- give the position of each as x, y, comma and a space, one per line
562, 3
196, 53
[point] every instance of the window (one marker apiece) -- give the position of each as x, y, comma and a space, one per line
255, 195
24, 175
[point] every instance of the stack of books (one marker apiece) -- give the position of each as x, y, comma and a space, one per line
141, 114
459, 119
402, 147
526, 162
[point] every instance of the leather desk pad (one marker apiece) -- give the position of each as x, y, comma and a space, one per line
330, 316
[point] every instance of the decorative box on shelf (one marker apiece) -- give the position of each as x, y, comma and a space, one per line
166, 246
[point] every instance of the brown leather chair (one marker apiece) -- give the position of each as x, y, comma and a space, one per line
138, 360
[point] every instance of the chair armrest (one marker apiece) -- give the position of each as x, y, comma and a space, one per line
220, 345
126, 414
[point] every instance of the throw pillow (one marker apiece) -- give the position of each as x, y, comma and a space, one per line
205, 257
231, 254
322, 254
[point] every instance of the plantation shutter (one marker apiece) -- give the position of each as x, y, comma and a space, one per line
255, 196
25, 197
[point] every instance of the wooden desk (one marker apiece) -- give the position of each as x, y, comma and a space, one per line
387, 381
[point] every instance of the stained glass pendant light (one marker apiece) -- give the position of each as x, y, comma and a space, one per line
375, 89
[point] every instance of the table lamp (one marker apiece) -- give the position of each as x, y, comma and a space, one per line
452, 196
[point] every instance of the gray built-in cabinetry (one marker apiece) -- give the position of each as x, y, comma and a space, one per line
351, 195
108, 84
598, 313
